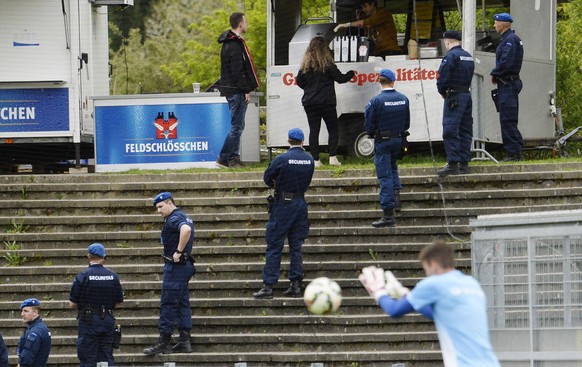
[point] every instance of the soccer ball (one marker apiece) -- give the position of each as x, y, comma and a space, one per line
322, 296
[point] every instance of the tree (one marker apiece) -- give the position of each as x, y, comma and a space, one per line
569, 63
140, 65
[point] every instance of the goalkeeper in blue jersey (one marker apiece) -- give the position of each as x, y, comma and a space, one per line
454, 301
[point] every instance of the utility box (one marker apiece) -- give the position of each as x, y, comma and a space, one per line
530, 268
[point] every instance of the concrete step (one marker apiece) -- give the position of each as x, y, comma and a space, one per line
66, 213
418, 209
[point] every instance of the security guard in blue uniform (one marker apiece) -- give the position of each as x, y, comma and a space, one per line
177, 239
95, 292
290, 175
508, 60
453, 83
34, 345
3, 353
387, 119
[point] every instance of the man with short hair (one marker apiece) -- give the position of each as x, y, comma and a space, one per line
238, 78
95, 292
455, 302
34, 345
290, 175
508, 61
454, 83
175, 312
387, 119
381, 22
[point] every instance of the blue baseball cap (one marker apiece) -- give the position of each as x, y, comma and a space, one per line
162, 196
503, 17
452, 34
388, 74
97, 249
30, 302
296, 134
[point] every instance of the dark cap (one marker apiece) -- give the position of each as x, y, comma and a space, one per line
161, 197
503, 17
30, 302
97, 249
456, 35
296, 134
388, 74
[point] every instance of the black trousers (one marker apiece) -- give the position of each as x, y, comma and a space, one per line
314, 115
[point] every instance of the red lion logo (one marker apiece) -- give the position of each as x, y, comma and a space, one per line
166, 129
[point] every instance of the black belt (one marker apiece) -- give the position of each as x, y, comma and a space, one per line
288, 196
389, 134
89, 311
509, 78
458, 90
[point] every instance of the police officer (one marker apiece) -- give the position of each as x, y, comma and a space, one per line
95, 292
508, 60
177, 239
290, 175
34, 345
453, 83
3, 353
387, 119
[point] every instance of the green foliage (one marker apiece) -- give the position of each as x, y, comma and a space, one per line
12, 256
123, 244
180, 46
569, 63
17, 226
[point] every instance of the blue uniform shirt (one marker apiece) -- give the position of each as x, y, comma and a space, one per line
388, 111
3, 353
508, 55
34, 346
291, 171
459, 312
171, 232
456, 70
96, 288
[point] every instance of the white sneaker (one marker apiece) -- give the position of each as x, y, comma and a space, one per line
333, 161
318, 163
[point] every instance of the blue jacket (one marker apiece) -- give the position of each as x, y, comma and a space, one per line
96, 288
388, 111
456, 70
34, 346
290, 172
508, 55
3, 353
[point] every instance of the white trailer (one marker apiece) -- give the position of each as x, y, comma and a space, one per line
534, 21
55, 56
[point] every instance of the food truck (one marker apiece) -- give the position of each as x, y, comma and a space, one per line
289, 34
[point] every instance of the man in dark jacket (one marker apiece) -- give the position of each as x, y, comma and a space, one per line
95, 292
508, 61
453, 83
238, 78
290, 175
34, 345
387, 119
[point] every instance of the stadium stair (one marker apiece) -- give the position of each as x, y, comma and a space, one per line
47, 222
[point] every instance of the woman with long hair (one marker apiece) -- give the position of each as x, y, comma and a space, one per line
316, 77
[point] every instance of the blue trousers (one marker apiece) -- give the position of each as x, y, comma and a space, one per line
508, 115
95, 340
288, 219
175, 311
386, 153
458, 129
238, 108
